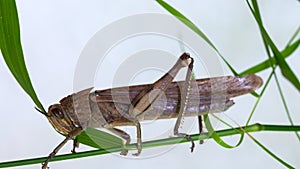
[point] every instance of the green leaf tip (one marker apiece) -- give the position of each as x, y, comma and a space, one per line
11, 48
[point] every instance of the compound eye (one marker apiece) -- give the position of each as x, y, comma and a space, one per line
58, 113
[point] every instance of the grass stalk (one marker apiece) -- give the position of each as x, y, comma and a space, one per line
156, 143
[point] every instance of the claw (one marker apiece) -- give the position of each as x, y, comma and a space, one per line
124, 153
137, 153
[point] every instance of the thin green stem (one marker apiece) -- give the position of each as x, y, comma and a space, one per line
149, 144
293, 37
260, 95
285, 104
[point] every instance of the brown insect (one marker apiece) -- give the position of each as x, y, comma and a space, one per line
164, 99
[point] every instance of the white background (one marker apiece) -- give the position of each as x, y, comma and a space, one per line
54, 34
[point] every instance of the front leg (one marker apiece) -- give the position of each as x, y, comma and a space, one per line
75, 145
72, 134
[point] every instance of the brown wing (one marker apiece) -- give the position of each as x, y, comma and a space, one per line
230, 86
206, 95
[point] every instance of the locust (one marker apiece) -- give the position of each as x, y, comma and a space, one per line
130, 105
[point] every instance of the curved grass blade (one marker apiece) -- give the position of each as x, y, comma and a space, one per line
193, 27
270, 152
269, 44
11, 48
12, 52
266, 64
213, 134
243, 131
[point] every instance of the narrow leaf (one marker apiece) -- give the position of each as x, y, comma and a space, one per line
213, 134
99, 139
12, 52
284, 67
266, 64
193, 27
11, 48
270, 152
294, 36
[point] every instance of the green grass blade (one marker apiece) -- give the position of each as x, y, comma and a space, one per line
266, 64
284, 67
294, 36
281, 61
193, 27
216, 137
285, 105
11, 48
98, 139
213, 134
270, 152
12, 52
260, 95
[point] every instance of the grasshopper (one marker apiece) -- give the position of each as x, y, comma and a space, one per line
164, 99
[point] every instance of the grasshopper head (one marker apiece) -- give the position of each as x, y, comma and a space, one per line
60, 120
